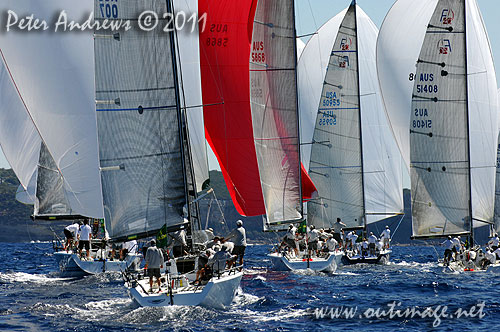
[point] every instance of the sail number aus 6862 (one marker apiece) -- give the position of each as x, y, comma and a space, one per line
108, 8
221, 42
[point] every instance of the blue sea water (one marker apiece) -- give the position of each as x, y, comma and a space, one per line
34, 297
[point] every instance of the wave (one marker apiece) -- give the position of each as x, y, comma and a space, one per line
13, 277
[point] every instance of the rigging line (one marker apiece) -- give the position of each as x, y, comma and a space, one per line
307, 35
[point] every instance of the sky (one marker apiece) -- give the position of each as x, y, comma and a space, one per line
312, 14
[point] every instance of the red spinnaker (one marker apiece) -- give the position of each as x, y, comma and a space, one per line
308, 188
224, 60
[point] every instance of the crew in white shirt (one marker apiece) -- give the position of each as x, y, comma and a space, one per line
386, 237
84, 238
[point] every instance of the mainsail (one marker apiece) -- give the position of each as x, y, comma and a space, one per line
273, 99
54, 77
355, 162
453, 128
141, 127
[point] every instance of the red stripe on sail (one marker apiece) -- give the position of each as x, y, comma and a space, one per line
224, 60
309, 190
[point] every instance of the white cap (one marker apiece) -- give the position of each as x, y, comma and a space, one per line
239, 223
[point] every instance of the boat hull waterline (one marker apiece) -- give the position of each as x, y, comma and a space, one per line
71, 265
284, 263
217, 293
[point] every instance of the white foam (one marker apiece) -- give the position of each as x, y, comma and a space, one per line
26, 277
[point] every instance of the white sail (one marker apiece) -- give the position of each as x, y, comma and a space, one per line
300, 47
189, 63
453, 131
336, 164
19, 138
398, 47
54, 74
497, 178
382, 163
355, 162
483, 115
273, 100
497, 187
311, 71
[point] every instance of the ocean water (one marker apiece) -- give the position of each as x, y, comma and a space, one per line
34, 298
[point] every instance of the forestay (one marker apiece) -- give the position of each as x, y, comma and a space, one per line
139, 121
273, 101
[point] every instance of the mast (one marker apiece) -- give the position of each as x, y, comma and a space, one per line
359, 114
183, 133
471, 235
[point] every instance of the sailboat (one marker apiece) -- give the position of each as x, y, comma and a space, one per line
453, 129
354, 159
57, 163
146, 161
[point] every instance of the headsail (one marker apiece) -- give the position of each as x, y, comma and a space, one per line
274, 109
54, 76
191, 96
497, 179
398, 46
453, 116
19, 138
141, 147
224, 52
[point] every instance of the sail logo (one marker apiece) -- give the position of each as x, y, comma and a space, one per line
344, 61
345, 44
444, 46
447, 16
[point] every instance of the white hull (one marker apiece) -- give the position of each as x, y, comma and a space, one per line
285, 263
455, 267
71, 265
217, 293
381, 258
